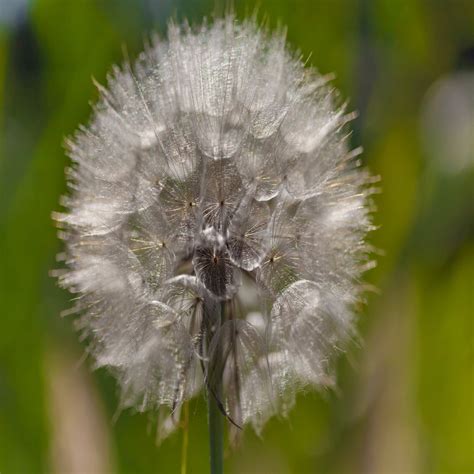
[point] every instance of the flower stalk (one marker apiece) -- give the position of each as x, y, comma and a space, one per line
214, 395
184, 450
216, 435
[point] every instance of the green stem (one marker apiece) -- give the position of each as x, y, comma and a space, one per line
184, 449
215, 417
216, 435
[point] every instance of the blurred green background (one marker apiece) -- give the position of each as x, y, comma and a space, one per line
405, 396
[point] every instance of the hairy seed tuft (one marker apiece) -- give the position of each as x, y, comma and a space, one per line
215, 173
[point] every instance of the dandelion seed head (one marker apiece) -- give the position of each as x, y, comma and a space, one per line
216, 213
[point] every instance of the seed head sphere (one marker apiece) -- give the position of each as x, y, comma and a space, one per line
215, 225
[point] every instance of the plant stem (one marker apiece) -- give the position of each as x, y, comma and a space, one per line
215, 418
184, 450
216, 435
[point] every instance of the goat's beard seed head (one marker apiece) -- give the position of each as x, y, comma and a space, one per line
215, 173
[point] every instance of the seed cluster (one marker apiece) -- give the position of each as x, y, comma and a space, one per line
215, 224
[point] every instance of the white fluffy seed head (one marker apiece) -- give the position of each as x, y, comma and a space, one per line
215, 173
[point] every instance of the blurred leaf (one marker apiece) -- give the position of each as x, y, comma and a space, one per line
446, 366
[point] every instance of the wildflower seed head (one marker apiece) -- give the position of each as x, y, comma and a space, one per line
215, 223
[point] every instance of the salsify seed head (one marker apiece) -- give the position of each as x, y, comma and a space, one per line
216, 222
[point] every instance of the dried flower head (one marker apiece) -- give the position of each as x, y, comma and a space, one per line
216, 223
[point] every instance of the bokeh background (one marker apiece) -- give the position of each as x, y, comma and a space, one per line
404, 402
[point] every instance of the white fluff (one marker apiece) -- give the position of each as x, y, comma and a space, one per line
218, 163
